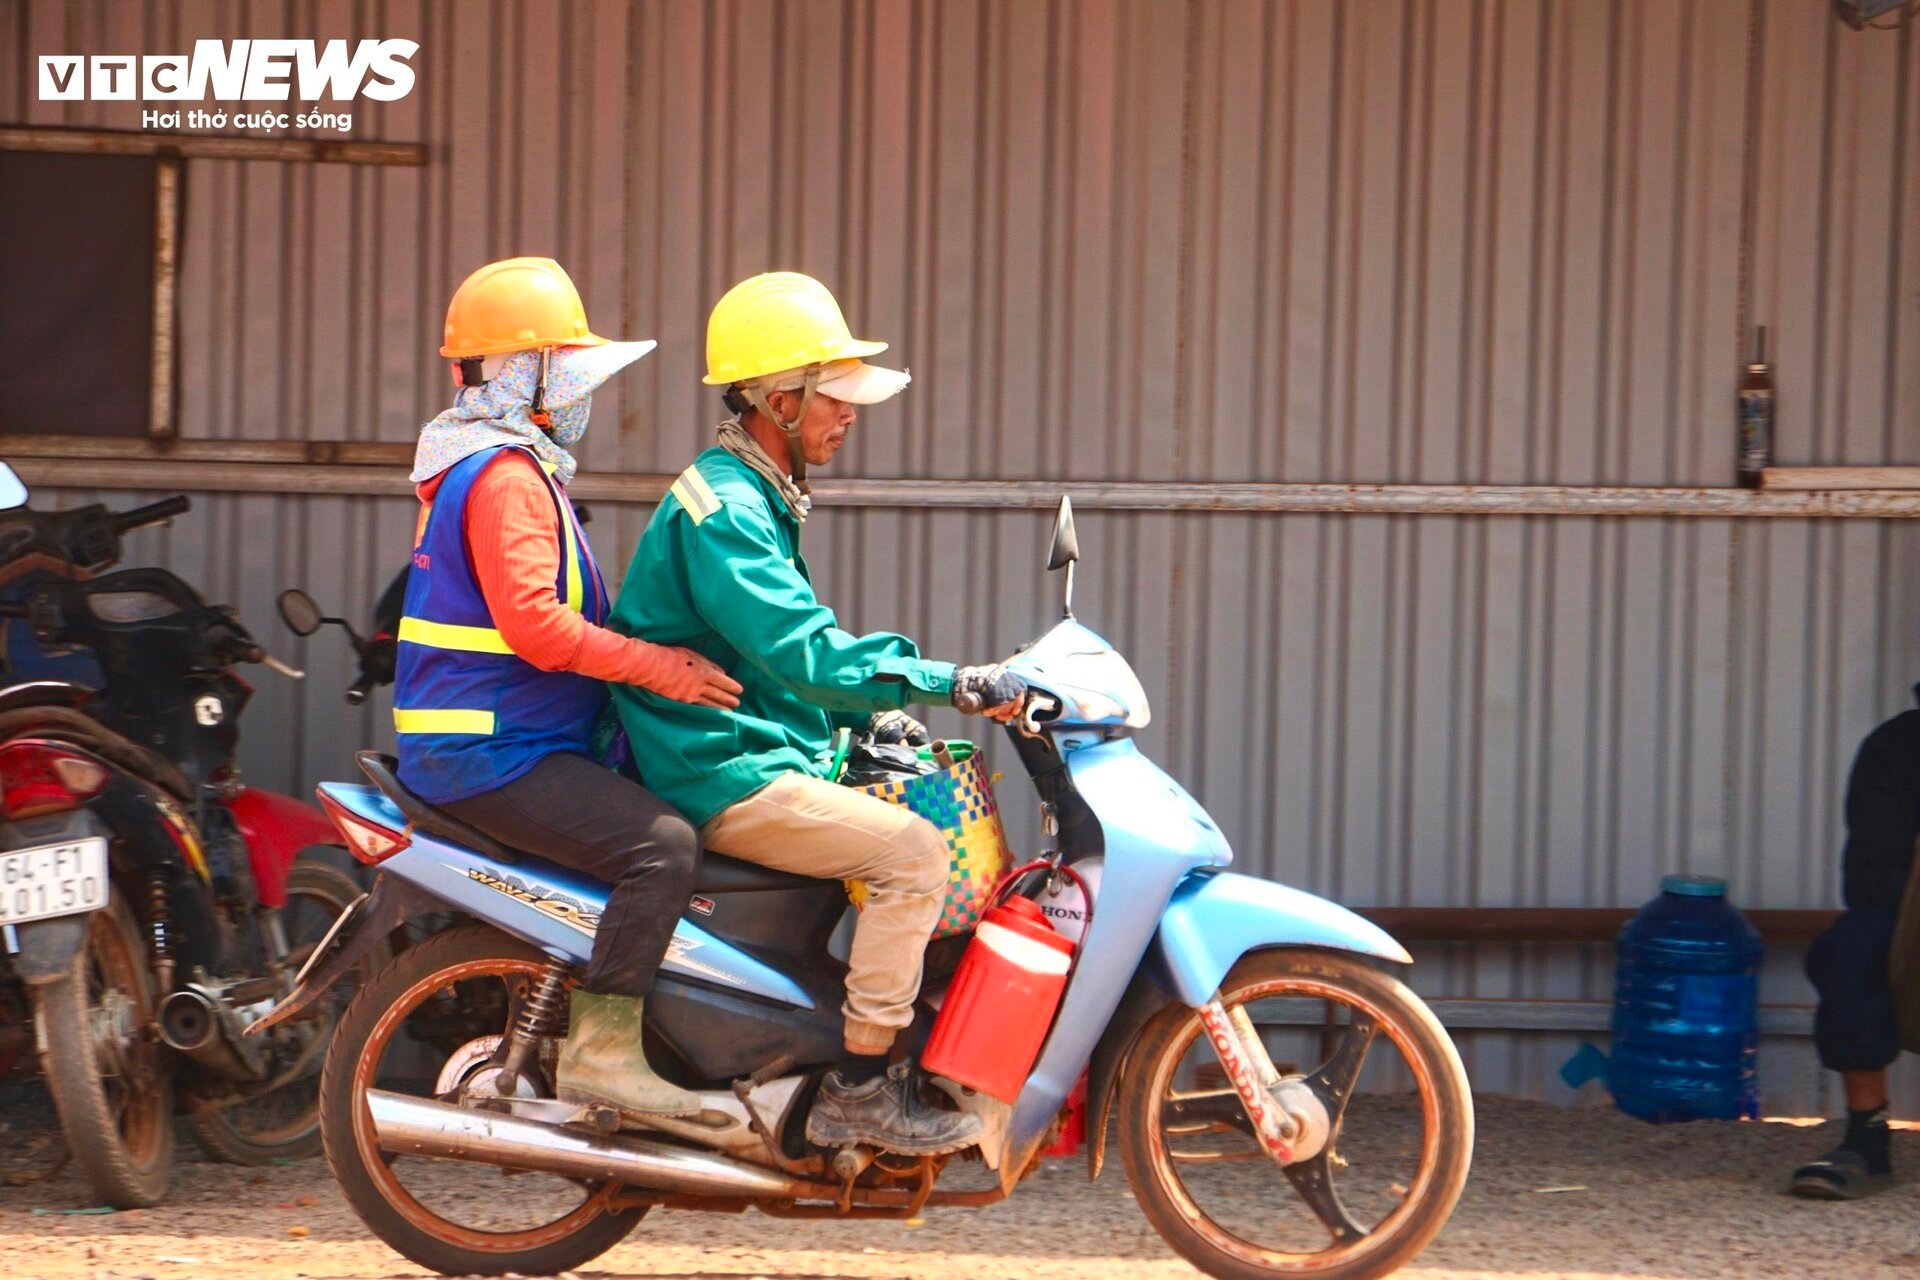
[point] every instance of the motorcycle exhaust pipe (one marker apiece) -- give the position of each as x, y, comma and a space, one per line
195, 1022
421, 1127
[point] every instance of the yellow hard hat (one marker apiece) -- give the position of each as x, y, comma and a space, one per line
519, 304
776, 322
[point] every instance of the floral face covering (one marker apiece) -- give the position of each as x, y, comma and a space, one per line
501, 412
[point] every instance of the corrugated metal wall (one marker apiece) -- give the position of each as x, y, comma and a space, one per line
1459, 241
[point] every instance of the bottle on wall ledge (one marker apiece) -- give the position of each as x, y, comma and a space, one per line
1755, 453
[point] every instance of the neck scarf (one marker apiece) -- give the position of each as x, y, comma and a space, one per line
735, 439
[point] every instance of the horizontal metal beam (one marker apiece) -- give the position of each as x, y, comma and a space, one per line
1840, 478
1553, 925
339, 467
203, 146
1469, 1014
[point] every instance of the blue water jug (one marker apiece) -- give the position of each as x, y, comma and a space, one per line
1686, 1007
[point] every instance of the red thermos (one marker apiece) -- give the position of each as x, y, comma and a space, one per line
997, 1011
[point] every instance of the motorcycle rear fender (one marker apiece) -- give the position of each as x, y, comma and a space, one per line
276, 828
1217, 917
47, 947
391, 903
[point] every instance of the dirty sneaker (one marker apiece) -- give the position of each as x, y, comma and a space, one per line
887, 1112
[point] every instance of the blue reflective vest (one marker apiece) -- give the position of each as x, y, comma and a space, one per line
472, 715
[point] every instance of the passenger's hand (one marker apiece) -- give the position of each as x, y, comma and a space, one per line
686, 676
993, 692
889, 727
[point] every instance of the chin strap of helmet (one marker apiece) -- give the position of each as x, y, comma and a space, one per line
541, 418
796, 455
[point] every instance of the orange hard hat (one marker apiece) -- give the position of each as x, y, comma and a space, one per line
519, 304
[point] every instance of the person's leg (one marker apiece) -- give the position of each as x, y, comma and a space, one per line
573, 812
1853, 1029
813, 827
1865, 1090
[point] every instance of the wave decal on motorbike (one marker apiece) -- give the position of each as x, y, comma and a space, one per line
566, 910
569, 911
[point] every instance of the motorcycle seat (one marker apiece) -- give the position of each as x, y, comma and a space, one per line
717, 872
720, 874
383, 772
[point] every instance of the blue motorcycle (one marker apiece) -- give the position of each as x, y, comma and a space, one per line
1283, 1104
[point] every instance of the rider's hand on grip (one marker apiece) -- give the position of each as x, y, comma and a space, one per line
991, 691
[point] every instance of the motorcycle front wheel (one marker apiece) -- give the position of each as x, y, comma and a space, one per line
452, 1217
1395, 1156
108, 1077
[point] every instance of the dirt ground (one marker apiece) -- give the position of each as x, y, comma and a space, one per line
1573, 1195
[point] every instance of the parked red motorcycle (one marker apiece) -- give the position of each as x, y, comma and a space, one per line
153, 905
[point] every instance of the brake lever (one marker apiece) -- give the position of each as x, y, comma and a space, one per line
274, 664
1027, 721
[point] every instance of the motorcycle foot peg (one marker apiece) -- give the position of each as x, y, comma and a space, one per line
850, 1162
604, 1119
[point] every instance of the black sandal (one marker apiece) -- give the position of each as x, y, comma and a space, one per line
1840, 1175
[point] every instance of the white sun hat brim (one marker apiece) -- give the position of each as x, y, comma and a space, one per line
863, 383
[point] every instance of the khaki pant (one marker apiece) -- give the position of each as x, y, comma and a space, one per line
815, 828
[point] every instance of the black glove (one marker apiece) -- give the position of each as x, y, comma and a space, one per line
889, 727
978, 689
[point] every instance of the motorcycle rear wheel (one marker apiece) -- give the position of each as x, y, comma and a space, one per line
109, 1080
390, 1209
285, 1124
1157, 1138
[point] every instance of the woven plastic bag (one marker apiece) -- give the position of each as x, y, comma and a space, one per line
960, 802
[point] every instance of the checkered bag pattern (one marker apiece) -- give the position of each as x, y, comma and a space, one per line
960, 802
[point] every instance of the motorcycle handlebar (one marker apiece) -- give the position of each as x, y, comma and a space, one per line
152, 513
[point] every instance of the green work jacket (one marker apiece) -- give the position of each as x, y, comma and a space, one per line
719, 571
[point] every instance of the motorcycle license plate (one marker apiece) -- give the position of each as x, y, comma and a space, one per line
53, 880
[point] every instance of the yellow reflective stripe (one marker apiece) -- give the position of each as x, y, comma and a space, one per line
695, 494
448, 635
442, 721
575, 588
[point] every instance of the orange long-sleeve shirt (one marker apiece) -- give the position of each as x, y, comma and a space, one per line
513, 543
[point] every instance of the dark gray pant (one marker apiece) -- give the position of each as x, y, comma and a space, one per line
572, 811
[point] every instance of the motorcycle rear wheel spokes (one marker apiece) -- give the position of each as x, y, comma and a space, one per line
1389, 1173
284, 1123
455, 1218
107, 1077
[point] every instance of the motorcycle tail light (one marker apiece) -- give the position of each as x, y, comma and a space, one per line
47, 777
368, 841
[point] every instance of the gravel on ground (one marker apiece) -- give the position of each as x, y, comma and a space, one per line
1584, 1194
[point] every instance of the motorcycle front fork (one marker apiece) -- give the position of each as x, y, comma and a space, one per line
1290, 1120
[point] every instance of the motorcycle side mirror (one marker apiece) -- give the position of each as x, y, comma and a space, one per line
1065, 549
1066, 543
13, 490
299, 612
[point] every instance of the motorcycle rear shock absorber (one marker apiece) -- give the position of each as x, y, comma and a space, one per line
539, 1017
157, 931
